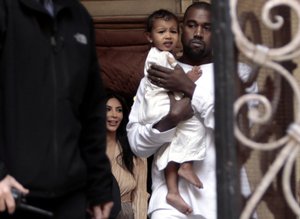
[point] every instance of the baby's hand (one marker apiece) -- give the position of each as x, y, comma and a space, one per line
195, 73
171, 60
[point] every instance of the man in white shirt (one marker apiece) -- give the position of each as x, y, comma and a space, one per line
145, 140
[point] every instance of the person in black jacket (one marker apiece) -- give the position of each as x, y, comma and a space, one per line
52, 111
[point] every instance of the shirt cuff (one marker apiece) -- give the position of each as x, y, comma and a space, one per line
162, 137
3, 171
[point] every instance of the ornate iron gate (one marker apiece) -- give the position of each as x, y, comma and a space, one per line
274, 125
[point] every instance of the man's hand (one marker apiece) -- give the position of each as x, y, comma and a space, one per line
173, 80
180, 110
101, 211
7, 201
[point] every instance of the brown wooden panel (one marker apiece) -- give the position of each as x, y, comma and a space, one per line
130, 8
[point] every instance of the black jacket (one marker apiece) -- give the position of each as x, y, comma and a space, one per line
52, 110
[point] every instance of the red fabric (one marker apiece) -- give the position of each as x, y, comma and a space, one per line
122, 54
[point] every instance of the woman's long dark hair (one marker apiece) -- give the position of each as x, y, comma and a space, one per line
126, 154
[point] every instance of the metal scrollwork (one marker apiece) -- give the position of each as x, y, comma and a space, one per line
269, 58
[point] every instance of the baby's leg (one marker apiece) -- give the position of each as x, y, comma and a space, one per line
186, 171
173, 196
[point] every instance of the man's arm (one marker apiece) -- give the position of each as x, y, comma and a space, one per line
7, 182
202, 101
180, 110
93, 135
146, 139
2, 23
173, 80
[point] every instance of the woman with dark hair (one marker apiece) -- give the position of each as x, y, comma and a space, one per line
129, 170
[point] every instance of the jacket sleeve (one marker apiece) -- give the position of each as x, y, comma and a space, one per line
2, 22
3, 170
93, 136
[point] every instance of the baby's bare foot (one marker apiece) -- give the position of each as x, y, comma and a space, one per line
190, 176
177, 202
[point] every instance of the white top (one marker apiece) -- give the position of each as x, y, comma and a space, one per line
145, 141
155, 103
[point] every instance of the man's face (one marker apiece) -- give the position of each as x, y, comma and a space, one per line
196, 34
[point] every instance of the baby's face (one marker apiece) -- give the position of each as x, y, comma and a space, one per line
165, 34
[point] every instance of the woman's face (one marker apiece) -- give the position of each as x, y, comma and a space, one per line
114, 114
